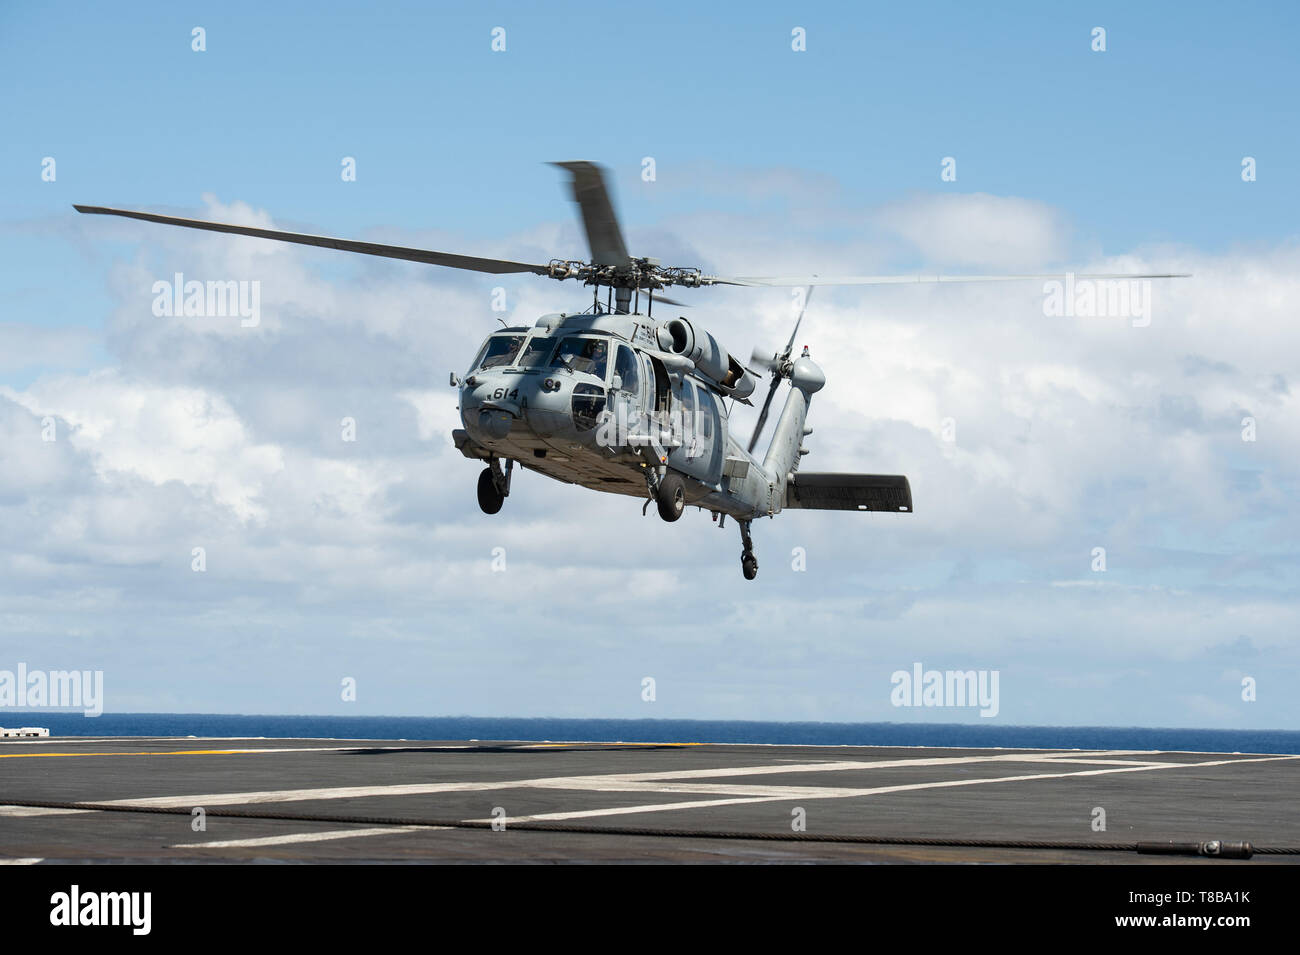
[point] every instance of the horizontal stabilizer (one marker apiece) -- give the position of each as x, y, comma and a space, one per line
849, 492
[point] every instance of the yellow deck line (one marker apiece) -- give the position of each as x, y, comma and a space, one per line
177, 752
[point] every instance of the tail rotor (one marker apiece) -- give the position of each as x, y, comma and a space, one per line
779, 366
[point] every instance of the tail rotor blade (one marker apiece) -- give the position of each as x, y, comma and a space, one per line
779, 367
762, 417
764, 359
789, 347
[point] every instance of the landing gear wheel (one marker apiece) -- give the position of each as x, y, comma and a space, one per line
489, 498
671, 496
748, 562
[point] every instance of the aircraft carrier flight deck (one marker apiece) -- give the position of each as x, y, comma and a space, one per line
190, 800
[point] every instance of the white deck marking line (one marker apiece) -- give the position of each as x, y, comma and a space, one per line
1052, 754
19, 812
1105, 762
670, 782
627, 810
827, 767
812, 792
297, 837
609, 782
29, 860
305, 795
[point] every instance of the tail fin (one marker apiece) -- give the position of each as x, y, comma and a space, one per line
783, 454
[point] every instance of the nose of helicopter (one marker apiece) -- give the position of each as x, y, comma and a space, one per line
494, 423
492, 405
488, 408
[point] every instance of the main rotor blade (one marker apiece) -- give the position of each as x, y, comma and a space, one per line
449, 259
664, 299
604, 237
792, 280
762, 415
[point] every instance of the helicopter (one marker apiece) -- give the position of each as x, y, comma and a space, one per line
626, 403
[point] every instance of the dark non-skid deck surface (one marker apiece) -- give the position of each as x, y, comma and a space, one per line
358, 793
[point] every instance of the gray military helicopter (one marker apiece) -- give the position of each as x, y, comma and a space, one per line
623, 402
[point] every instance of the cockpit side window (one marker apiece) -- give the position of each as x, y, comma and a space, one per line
590, 355
625, 366
499, 350
707, 413
686, 392
689, 420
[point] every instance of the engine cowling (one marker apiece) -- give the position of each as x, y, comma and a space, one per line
679, 336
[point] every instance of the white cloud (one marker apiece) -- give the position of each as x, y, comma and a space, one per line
976, 229
158, 433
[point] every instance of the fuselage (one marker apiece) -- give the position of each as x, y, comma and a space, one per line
591, 399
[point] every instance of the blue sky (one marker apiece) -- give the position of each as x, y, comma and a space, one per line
1149, 133
1140, 144
768, 160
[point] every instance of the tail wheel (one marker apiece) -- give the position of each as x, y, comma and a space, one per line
489, 498
671, 496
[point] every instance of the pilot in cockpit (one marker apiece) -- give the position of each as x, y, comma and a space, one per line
587, 355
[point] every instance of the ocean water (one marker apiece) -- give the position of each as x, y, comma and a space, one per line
662, 731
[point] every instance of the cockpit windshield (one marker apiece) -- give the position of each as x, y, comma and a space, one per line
536, 352
499, 350
582, 353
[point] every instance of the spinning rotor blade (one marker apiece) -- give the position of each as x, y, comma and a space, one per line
789, 346
792, 280
668, 301
762, 415
762, 359
604, 236
449, 259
